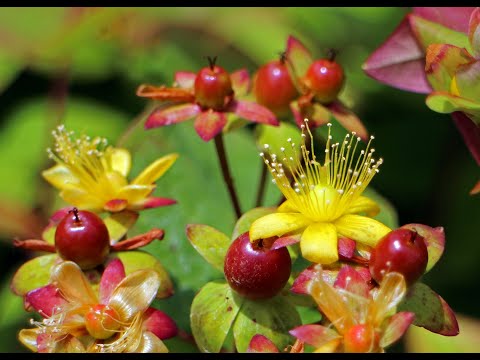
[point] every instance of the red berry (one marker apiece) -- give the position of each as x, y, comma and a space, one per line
212, 87
360, 338
273, 87
401, 250
254, 270
101, 321
325, 78
82, 237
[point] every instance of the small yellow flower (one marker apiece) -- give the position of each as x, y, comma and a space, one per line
323, 201
93, 175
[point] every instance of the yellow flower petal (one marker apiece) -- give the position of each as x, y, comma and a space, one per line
319, 243
114, 182
59, 176
155, 170
365, 205
329, 347
151, 344
81, 199
277, 224
120, 160
391, 292
28, 337
287, 207
73, 284
135, 293
361, 228
134, 193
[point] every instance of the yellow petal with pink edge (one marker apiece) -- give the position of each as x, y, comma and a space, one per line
134, 193
319, 243
73, 284
362, 229
277, 224
120, 160
365, 205
155, 170
59, 176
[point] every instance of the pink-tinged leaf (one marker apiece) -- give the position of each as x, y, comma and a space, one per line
396, 326
299, 59
434, 240
467, 80
160, 324
348, 119
442, 62
254, 112
185, 79
34, 245
476, 189
285, 241
470, 133
111, 277
164, 93
431, 311
44, 300
301, 283
209, 124
445, 103
399, 61
33, 274
48, 233
115, 205
139, 240
474, 31
350, 280
261, 344
172, 115
455, 18
154, 202
315, 335
346, 247
316, 114
240, 82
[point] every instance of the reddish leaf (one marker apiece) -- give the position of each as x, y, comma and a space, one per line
455, 18
399, 61
285, 241
317, 114
34, 245
474, 31
348, 119
346, 247
476, 189
115, 205
185, 79
240, 82
44, 300
172, 115
254, 112
350, 280
154, 202
300, 285
111, 277
209, 123
315, 335
261, 344
397, 326
160, 324
139, 240
470, 132
164, 93
298, 58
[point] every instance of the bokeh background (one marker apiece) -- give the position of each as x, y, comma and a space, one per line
81, 67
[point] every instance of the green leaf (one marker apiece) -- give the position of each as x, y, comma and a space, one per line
387, 215
428, 32
118, 224
434, 239
243, 224
467, 81
212, 314
272, 318
33, 274
431, 311
446, 103
210, 243
136, 260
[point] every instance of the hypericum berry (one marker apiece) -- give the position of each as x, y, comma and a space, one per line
254, 270
401, 250
273, 87
325, 78
83, 238
101, 321
360, 338
213, 86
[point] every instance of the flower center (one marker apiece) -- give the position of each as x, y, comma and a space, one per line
325, 192
101, 321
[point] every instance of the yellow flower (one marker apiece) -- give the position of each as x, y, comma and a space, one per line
324, 201
93, 176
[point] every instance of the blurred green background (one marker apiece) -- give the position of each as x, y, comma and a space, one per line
81, 66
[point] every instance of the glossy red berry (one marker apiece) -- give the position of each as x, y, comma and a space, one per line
83, 238
325, 78
254, 270
360, 338
213, 86
273, 87
401, 250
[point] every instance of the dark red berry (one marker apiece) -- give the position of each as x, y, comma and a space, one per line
83, 238
254, 270
213, 86
401, 250
325, 78
273, 87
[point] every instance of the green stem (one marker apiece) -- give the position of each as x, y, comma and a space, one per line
261, 186
227, 178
